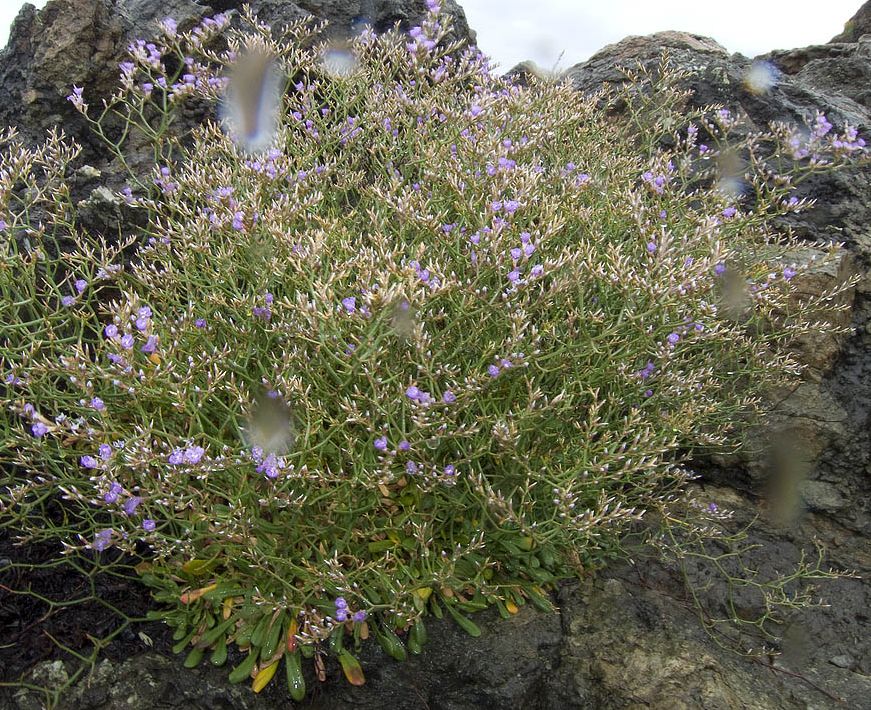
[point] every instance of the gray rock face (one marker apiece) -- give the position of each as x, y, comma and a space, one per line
81, 42
829, 414
856, 26
627, 638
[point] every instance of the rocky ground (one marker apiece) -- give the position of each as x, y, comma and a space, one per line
629, 637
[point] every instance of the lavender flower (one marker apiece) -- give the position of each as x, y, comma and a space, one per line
148, 525
114, 491
381, 443
103, 539
131, 504
38, 429
88, 461
194, 454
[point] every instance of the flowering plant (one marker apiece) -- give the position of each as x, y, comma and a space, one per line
437, 346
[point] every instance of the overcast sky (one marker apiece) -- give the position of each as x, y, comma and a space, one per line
513, 30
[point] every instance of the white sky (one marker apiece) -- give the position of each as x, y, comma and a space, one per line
513, 30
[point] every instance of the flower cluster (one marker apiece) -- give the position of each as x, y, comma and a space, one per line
454, 314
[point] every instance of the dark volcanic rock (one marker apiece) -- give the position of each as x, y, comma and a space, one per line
856, 26
81, 42
834, 79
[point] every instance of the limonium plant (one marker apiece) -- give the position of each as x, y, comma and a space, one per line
434, 343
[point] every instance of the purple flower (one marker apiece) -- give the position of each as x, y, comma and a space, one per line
651, 247
261, 312
103, 539
516, 253
111, 331
648, 393
647, 371
148, 525
537, 270
511, 206
169, 26
712, 507
150, 345
450, 470
673, 338
514, 276
271, 466
176, 457
238, 224
141, 323
114, 491
381, 443
105, 451
493, 370
341, 614
729, 212
341, 603
350, 304
529, 249
412, 392
475, 110
720, 269
404, 445
67, 301
127, 341
200, 323
131, 504
194, 454
88, 461
788, 273
39, 429
449, 397
411, 467
359, 616
80, 285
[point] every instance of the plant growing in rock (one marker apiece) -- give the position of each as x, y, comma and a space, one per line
438, 346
